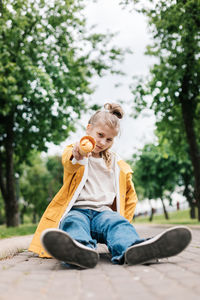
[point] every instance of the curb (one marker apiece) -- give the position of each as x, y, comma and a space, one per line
14, 245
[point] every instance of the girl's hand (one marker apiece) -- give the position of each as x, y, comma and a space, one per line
76, 154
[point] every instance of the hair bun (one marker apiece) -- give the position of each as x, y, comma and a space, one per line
114, 109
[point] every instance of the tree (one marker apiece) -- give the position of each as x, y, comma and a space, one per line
155, 174
151, 177
39, 182
55, 169
172, 142
35, 184
172, 90
47, 59
187, 180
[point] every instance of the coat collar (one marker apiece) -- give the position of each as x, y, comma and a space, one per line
124, 167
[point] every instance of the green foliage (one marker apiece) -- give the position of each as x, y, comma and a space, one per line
158, 171
175, 29
172, 88
55, 170
47, 60
34, 187
155, 173
39, 183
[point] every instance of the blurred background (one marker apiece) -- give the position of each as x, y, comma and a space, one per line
62, 60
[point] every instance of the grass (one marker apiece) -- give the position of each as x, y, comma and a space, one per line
24, 229
177, 217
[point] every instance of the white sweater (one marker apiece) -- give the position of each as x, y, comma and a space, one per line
99, 190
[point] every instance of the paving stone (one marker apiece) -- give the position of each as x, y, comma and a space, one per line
26, 276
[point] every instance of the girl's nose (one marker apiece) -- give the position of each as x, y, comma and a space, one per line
102, 142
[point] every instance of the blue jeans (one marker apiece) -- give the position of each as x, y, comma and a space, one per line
90, 227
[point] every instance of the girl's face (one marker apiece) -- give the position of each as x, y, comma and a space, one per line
103, 135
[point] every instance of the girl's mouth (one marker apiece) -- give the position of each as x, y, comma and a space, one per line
98, 147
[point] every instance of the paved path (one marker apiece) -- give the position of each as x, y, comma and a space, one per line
25, 276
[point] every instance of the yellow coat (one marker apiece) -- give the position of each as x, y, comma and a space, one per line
75, 175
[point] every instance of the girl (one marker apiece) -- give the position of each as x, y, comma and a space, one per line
96, 205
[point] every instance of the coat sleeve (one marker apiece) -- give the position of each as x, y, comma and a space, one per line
67, 156
131, 198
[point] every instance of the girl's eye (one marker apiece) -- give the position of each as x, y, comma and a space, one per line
100, 134
109, 140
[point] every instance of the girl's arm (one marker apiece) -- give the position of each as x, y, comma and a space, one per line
67, 154
67, 160
131, 198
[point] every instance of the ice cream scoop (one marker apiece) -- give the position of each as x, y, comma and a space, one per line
86, 145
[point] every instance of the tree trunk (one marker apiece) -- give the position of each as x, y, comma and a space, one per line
187, 111
192, 212
152, 212
7, 178
189, 196
198, 205
34, 220
164, 210
188, 101
22, 213
12, 215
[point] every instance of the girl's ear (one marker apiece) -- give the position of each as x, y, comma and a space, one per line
88, 128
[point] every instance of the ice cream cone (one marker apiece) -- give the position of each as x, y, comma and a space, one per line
86, 145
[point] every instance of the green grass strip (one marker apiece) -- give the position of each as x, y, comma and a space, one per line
181, 217
25, 229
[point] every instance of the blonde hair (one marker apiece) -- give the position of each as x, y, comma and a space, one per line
110, 116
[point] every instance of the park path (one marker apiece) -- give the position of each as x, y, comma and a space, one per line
25, 276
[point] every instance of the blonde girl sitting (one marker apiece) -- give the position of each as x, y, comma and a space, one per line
96, 205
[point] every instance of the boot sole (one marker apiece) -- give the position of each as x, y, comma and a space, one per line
62, 247
169, 243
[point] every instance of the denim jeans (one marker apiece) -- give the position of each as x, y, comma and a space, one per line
90, 227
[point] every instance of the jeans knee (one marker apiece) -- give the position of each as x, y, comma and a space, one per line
111, 217
74, 219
